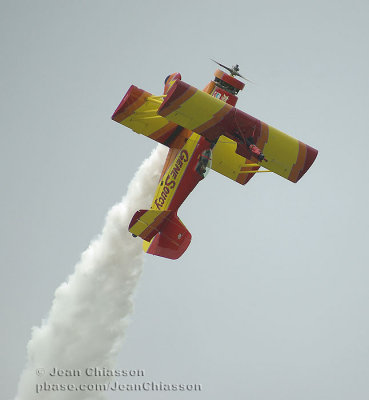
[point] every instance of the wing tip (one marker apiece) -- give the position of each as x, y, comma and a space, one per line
132, 100
311, 155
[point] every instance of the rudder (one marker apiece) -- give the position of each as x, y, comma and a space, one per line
172, 240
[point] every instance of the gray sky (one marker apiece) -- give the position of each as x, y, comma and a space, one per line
271, 298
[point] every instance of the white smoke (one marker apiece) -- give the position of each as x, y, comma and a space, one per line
88, 318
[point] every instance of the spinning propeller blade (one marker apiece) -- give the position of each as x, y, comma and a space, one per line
233, 71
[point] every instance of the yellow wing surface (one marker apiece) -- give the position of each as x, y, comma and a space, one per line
193, 109
227, 162
212, 118
138, 111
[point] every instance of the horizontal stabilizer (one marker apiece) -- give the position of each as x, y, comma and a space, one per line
147, 223
163, 232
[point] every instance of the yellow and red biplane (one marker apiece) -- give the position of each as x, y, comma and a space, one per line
203, 131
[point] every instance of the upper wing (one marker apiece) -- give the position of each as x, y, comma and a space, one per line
138, 111
210, 117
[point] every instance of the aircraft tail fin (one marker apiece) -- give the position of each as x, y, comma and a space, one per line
163, 233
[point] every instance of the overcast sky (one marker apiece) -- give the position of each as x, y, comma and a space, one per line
271, 299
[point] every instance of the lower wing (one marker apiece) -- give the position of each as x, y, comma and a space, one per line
227, 162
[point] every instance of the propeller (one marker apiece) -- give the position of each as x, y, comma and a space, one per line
233, 71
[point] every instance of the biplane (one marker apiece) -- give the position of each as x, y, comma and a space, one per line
203, 130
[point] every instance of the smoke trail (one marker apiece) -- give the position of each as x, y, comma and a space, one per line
88, 317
